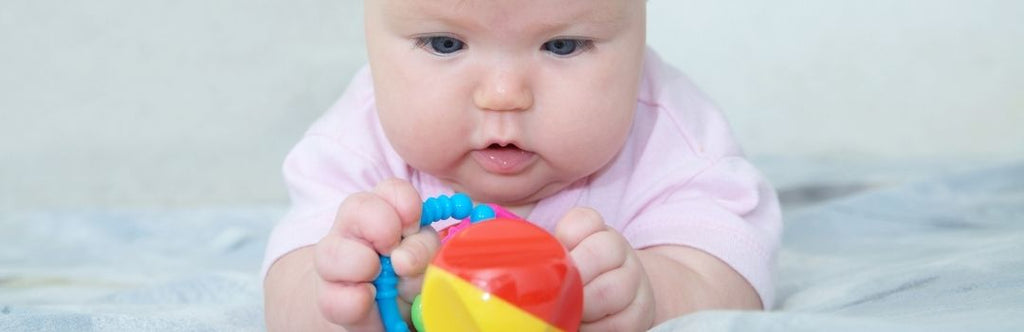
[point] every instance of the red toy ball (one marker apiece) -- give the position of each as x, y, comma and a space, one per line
502, 274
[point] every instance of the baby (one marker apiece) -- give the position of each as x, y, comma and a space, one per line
555, 110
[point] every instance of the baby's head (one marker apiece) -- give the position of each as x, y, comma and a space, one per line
509, 101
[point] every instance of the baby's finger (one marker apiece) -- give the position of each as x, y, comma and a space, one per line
611, 292
369, 218
599, 253
406, 201
640, 312
347, 304
576, 225
408, 288
346, 260
415, 252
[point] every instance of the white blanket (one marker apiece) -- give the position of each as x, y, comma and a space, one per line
943, 254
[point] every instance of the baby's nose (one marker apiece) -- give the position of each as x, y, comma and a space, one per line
504, 89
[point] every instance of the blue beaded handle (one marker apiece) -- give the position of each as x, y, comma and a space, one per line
458, 206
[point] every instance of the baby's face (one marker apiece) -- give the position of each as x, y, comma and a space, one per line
509, 101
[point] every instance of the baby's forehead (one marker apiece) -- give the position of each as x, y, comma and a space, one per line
498, 11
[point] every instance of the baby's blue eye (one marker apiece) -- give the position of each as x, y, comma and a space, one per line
565, 47
441, 45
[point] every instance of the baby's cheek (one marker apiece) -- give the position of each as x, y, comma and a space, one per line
587, 148
433, 151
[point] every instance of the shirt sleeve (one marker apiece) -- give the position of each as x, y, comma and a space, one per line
319, 173
727, 210
691, 185
342, 153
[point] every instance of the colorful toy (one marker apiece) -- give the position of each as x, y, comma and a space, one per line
503, 274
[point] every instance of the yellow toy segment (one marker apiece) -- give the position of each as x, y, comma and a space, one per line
452, 304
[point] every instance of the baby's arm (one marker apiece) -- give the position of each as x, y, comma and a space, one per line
626, 289
686, 279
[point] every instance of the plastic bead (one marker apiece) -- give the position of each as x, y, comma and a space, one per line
444, 205
429, 212
482, 213
462, 206
387, 291
417, 314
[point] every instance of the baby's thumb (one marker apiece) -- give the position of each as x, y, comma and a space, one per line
578, 224
415, 252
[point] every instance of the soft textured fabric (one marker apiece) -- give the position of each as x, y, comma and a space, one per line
679, 180
942, 254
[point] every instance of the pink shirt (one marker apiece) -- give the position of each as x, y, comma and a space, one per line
681, 179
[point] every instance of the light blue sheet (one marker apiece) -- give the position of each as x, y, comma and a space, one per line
144, 270
944, 254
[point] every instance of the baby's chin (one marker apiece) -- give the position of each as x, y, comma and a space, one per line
508, 192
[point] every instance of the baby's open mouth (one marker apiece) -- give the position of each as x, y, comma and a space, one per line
503, 159
503, 147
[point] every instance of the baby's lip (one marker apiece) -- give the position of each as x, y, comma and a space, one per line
504, 159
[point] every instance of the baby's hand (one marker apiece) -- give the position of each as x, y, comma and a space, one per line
616, 293
347, 260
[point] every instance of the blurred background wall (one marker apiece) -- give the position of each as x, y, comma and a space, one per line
116, 103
